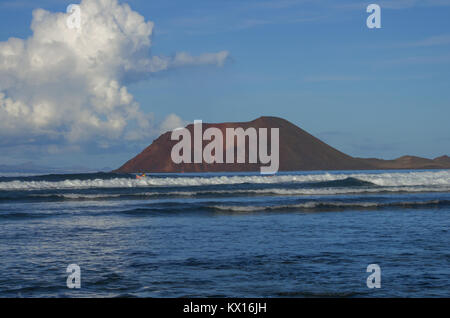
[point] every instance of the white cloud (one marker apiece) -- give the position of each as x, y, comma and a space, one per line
70, 84
184, 58
332, 78
390, 4
404, 4
435, 40
171, 122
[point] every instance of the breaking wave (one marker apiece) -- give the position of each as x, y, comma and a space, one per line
314, 205
385, 179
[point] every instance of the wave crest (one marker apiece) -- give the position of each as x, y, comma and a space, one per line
314, 205
428, 178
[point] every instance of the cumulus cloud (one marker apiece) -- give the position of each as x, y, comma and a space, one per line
171, 122
69, 84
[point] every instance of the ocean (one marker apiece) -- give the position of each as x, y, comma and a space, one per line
295, 234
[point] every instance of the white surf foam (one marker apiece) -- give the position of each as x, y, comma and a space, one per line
315, 205
308, 191
392, 179
249, 192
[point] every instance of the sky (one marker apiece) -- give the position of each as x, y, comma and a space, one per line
99, 94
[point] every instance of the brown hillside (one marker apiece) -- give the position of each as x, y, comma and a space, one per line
298, 151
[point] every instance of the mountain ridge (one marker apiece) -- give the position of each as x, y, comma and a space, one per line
298, 150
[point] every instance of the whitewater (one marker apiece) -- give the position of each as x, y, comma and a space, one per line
410, 178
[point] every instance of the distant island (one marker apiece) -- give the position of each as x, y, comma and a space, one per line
31, 168
299, 151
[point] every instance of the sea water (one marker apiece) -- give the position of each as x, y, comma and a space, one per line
295, 234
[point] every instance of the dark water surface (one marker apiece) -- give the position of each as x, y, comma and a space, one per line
295, 234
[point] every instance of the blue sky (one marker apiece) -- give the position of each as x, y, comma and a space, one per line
368, 92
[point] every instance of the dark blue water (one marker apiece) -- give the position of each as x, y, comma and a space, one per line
290, 235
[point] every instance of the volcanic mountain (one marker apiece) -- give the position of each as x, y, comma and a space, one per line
298, 150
